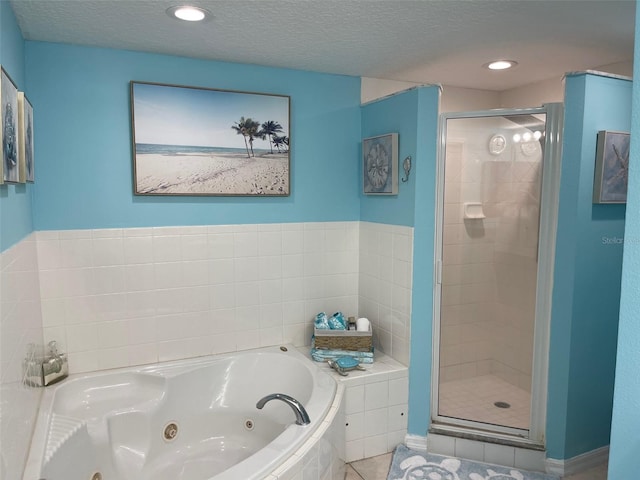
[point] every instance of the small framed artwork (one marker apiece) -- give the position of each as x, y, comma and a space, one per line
380, 164
25, 139
9, 131
612, 167
202, 141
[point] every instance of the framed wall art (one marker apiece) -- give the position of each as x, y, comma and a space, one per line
612, 167
9, 171
25, 139
202, 141
380, 164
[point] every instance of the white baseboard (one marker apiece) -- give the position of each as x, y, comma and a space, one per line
416, 442
578, 463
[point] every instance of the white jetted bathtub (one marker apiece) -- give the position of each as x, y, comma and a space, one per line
188, 420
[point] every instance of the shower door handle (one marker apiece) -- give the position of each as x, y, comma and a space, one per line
438, 272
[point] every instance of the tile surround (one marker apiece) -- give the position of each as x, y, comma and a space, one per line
486, 452
20, 325
376, 407
386, 279
122, 297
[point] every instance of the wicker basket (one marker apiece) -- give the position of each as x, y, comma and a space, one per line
343, 340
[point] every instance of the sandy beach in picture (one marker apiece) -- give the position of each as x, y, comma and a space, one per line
199, 141
219, 173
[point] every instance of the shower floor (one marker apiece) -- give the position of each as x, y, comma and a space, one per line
473, 399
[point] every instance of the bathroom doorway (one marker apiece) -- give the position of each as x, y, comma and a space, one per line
498, 181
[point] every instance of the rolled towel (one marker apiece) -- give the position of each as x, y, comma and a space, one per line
337, 321
321, 321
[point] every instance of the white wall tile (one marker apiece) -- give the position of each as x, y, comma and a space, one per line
397, 417
375, 422
107, 252
81, 338
441, 444
247, 318
375, 445
125, 286
246, 269
354, 450
139, 277
245, 244
194, 247
138, 249
222, 296
167, 248
469, 449
354, 399
376, 395
270, 243
220, 245
399, 391
529, 459
499, 454
247, 294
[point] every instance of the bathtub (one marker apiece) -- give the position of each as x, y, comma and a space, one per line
189, 420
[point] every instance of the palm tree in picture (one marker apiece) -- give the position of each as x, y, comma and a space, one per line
241, 128
270, 129
278, 142
252, 130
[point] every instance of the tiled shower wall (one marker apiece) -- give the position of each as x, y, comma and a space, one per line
489, 264
386, 272
21, 325
123, 297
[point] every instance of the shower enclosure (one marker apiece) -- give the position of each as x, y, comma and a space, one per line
497, 189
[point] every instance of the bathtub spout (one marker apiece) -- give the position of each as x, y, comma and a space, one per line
302, 417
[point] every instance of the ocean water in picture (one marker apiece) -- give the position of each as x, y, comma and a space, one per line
175, 150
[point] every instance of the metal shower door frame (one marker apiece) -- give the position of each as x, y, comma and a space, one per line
550, 191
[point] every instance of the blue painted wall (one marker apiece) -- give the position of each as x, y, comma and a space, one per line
395, 114
83, 140
414, 116
587, 274
625, 442
424, 223
15, 200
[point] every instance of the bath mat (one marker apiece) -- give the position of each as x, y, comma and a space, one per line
409, 464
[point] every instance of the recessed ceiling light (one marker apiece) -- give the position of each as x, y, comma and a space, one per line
500, 64
188, 13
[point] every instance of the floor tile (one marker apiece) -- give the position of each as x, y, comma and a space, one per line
595, 473
473, 399
374, 468
351, 474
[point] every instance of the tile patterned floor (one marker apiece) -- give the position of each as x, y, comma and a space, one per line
473, 399
376, 468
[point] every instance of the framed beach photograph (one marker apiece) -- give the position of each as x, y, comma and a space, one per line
9, 131
25, 139
202, 141
380, 164
612, 167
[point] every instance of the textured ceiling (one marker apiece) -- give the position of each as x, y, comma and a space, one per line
423, 41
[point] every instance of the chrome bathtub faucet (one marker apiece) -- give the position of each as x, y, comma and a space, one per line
302, 417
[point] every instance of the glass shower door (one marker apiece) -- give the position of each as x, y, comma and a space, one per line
490, 224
